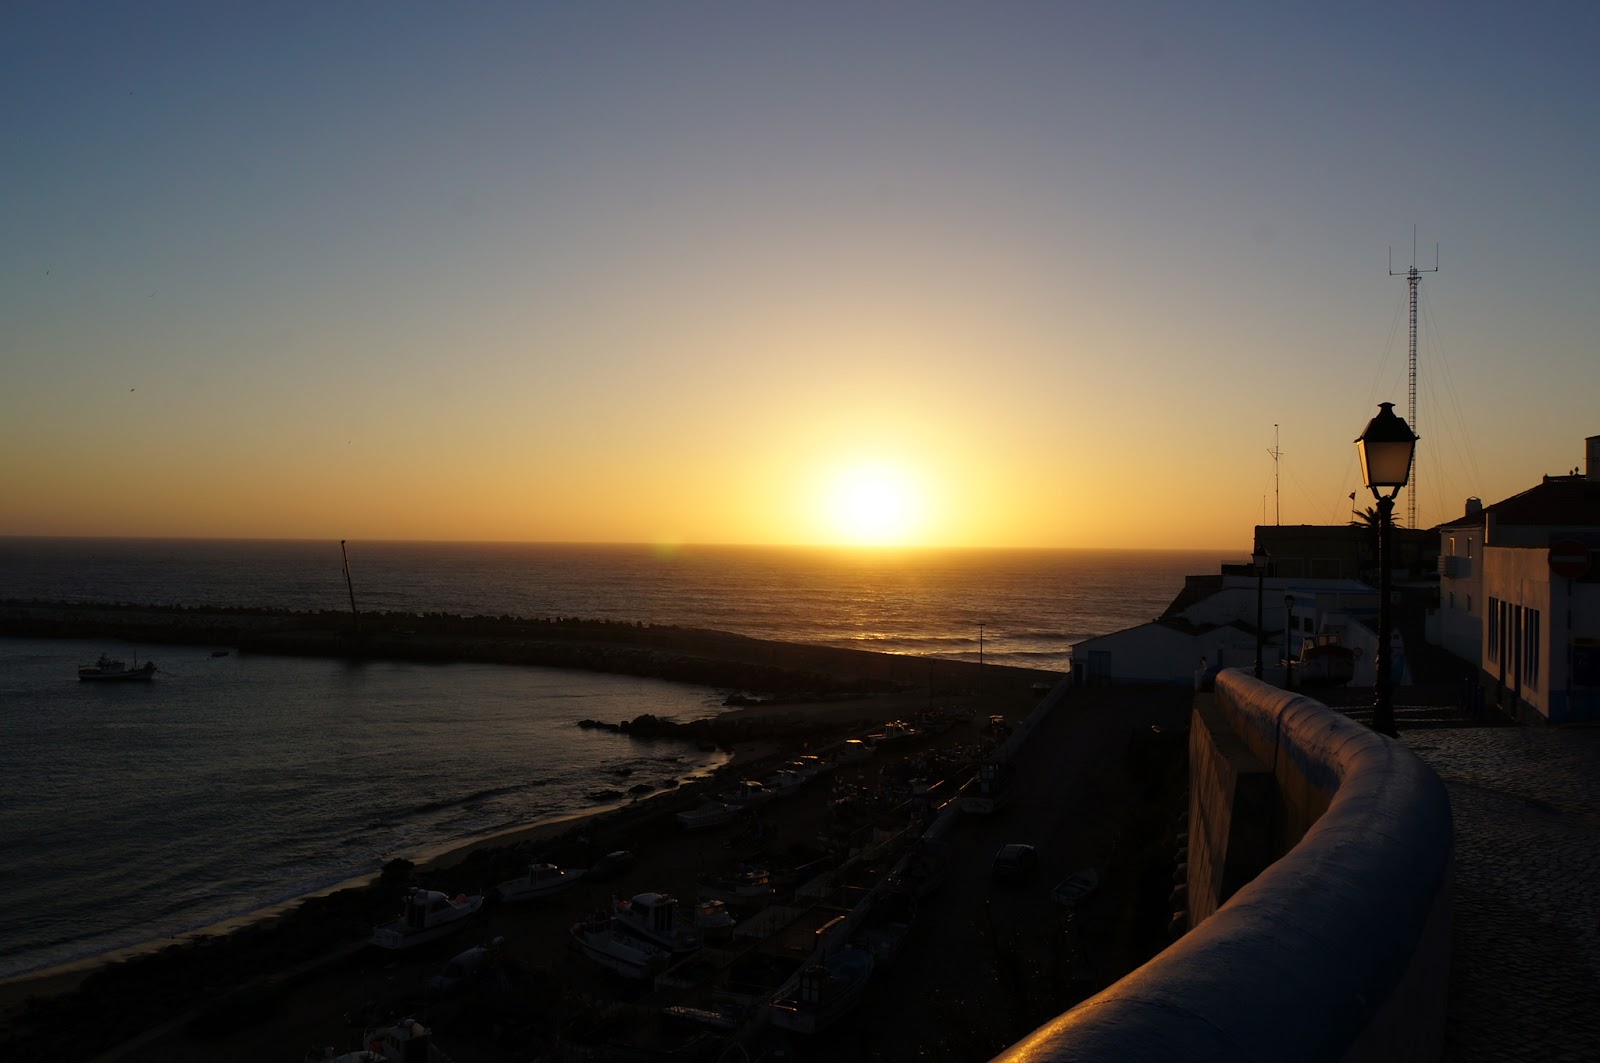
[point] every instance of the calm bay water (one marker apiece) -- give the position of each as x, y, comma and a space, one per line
232, 783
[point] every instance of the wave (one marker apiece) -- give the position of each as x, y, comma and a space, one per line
476, 797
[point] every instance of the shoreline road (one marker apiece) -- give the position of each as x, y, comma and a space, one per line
988, 962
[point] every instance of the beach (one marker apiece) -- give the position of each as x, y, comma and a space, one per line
164, 992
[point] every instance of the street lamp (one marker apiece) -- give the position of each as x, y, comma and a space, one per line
1386, 448
1259, 559
1288, 644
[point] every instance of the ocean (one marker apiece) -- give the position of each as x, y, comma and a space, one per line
135, 812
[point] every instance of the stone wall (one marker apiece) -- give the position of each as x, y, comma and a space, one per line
1337, 951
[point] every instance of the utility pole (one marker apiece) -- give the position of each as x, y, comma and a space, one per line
1413, 277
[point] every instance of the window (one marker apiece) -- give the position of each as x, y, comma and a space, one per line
1469, 546
1493, 640
1452, 546
1530, 649
1469, 605
1452, 599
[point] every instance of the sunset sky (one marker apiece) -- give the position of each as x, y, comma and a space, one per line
947, 274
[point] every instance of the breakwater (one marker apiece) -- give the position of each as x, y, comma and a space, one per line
688, 655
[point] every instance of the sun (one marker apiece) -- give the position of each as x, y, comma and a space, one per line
874, 505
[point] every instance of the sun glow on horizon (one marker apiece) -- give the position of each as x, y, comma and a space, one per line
874, 505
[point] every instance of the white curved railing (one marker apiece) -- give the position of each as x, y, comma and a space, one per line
1337, 951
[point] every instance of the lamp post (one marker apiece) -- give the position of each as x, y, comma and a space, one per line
1259, 559
1386, 447
1288, 648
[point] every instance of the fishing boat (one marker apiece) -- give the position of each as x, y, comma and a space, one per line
822, 993
605, 942
991, 791
893, 731
542, 880
784, 782
853, 751
710, 814
713, 920
108, 670
742, 886
427, 916
746, 793
654, 917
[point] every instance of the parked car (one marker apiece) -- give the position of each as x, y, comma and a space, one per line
609, 866
1015, 862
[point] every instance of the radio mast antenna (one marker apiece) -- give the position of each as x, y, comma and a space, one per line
1413, 277
1277, 506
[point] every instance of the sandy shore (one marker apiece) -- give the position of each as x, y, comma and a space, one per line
619, 826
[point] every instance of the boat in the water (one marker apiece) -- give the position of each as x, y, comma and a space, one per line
822, 993
542, 880
427, 916
654, 917
108, 670
604, 941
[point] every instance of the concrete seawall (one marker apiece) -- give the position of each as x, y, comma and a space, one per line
687, 655
1339, 950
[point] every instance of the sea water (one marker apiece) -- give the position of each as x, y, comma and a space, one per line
135, 811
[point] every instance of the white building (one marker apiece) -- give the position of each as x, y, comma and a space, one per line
1219, 630
1519, 596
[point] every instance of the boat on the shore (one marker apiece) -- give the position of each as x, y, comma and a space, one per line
405, 1041
783, 782
822, 993
853, 751
746, 793
542, 880
742, 886
654, 917
713, 920
710, 814
991, 790
107, 669
427, 916
604, 941
893, 731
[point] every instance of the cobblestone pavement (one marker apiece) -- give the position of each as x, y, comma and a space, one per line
1525, 977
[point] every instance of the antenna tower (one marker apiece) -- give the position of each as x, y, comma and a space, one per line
1413, 278
1277, 505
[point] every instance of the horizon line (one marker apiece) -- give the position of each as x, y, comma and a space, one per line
647, 544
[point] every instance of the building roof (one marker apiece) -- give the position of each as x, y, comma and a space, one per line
1175, 625
1562, 501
